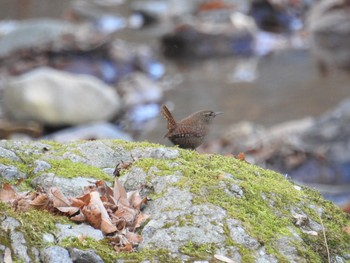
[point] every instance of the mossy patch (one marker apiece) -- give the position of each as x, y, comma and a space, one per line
68, 169
32, 228
267, 198
263, 209
109, 255
196, 251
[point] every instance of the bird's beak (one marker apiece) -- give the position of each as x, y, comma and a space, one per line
218, 113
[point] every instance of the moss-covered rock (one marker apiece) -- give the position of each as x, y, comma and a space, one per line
201, 205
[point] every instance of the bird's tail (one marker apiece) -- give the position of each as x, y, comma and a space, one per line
169, 117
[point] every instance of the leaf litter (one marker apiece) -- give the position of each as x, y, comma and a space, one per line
112, 210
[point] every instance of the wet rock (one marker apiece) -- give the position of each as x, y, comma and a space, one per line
84, 256
55, 254
33, 34
70, 187
202, 42
277, 17
77, 231
329, 26
10, 173
89, 132
54, 98
137, 88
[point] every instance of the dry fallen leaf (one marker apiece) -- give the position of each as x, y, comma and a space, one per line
40, 202
119, 194
136, 200
7, 194
58, 199
7, 255
347, 229
112, 210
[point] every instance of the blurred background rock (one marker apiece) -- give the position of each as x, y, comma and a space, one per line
279, 69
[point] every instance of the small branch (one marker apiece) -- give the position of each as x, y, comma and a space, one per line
325, 240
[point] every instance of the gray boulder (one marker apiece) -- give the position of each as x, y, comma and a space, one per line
53, 97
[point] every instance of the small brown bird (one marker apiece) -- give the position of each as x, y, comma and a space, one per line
190, 132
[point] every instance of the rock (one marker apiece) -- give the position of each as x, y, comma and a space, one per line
8, 154
10, 173
84, 256
32, 34
231, 35
19, 246
48, 238
55, 254
18, 243
41, 166
200, 206
70, 187
77, 231
329, 27
89, 132
137, 88
9, 224
94, 150
54, 98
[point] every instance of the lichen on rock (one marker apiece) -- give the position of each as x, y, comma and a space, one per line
201, 206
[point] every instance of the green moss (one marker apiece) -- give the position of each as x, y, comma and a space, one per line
265, 192
109, 255
128, 146
32, 228
68, 169
267, 199
196, 251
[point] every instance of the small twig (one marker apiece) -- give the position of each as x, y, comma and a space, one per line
325, 240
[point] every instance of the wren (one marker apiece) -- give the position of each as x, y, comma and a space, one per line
190, 132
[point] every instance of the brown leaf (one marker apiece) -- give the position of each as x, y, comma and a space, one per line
97, 214
121, 166
119, 194
58, 199
346, 229
133, 238
85, 198
7, 194
125, 248
92, 215
241, 157
141, 217
23, 205
128, 213
77, 202
136, 201
68, 210
40, 202
78, 218
107, 227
